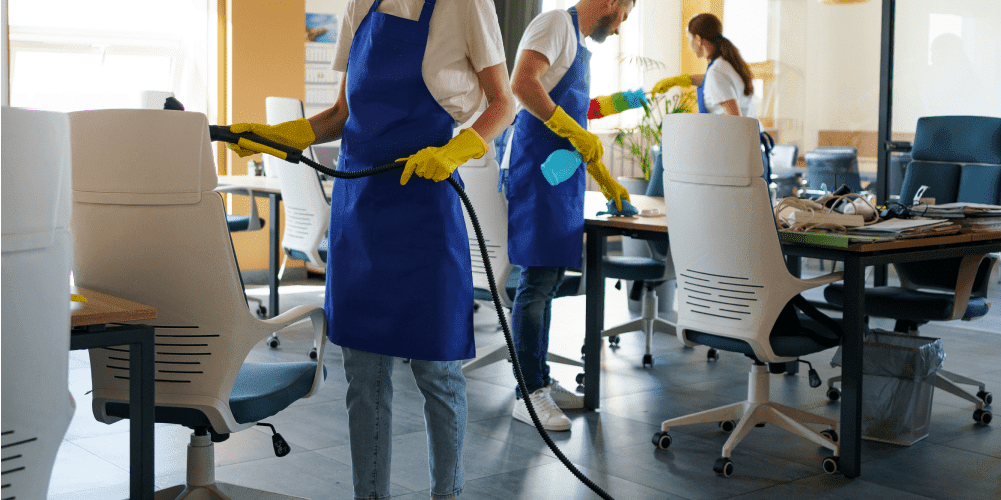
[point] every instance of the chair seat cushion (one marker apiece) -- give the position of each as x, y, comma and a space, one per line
901, 303
321, 250
632, 268
238, 223
259, 391
570, 285
783, 345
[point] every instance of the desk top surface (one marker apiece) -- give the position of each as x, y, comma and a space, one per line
595, 202
256, 182
103, 308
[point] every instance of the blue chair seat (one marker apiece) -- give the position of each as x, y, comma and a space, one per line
902, 303
570, 285
321, 249
259, 391
239, 222
632, 268
792, 346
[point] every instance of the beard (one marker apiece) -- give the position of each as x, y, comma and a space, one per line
604, 29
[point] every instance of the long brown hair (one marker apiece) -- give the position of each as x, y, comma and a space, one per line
710, 28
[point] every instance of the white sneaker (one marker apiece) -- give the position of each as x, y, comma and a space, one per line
564, 398
545, 408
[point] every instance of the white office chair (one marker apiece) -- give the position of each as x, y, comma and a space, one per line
157, 99
37, 256
733, 282
307, 211
149, 227
480, 179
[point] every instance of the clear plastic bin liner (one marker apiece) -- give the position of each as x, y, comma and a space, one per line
897, 389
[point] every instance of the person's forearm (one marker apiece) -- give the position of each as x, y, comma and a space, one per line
535, 99
500, 103
697, 79
730, 107
328, 125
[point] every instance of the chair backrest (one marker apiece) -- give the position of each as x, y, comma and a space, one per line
307, 213
958, 158
480, 178
784, 155
37, 256
833, 166
148, 227
732, 279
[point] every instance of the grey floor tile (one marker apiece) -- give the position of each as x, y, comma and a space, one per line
938, 471
829, 487
77, 469
554, 481
326, 424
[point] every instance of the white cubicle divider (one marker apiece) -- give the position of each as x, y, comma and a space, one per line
37, 258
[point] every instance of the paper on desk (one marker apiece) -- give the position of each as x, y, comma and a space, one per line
895, 226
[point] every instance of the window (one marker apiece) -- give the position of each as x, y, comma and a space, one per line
127, 47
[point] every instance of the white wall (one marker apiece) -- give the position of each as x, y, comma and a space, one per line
5, 92
842, 68
661, 20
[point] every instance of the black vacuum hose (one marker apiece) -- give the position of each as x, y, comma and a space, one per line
292, 155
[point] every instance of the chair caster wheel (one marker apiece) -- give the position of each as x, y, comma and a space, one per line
580, 379
273, 342
723, 467
613, 340
986, 397
662, 440
262, 312
830, 434
712, 355
406, 360
476, 306
833, 393
982, 416
727, 425
647, 361
312, 354
831, 465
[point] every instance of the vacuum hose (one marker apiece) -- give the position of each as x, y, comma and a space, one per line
292, 155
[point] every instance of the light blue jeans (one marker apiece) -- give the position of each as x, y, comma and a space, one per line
370, 421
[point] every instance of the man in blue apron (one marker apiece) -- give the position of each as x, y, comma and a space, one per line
546, 223
399, 282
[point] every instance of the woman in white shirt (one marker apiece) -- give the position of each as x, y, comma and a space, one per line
726, 87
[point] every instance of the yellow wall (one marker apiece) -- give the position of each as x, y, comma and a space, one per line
689, 9
266, 57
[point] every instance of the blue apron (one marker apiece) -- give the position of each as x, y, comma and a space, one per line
763, 136
399, 281
546, 223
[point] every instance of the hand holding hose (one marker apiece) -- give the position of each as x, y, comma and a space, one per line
585, 142
609, 187
438, 163
296, 133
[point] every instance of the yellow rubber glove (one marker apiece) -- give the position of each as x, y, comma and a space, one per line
296, 133
609, 186
586, 143
438, 164
664, 85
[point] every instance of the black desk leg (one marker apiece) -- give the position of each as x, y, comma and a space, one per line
795, 265
594, 319
141, 380
274, 251
851, 368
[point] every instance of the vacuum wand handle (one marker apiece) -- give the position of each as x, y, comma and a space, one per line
287, 153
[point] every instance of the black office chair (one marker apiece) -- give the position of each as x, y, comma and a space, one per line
959, 159
833, 166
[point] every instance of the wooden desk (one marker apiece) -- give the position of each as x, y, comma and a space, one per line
855, 257
94, 325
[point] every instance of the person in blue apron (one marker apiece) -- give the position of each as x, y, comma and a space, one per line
546, 223
398, 280
727, 85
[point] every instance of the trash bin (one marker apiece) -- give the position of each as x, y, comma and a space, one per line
897, 386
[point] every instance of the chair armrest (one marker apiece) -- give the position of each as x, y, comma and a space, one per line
295, 315
985, 279
964, 284
820, 280
255, 220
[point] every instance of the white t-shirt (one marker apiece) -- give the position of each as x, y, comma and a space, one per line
551, 34
722, 83
464, 39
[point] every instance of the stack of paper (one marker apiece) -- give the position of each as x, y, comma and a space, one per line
973, 217
906, 228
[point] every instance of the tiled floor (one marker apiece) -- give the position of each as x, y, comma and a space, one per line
506, 459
